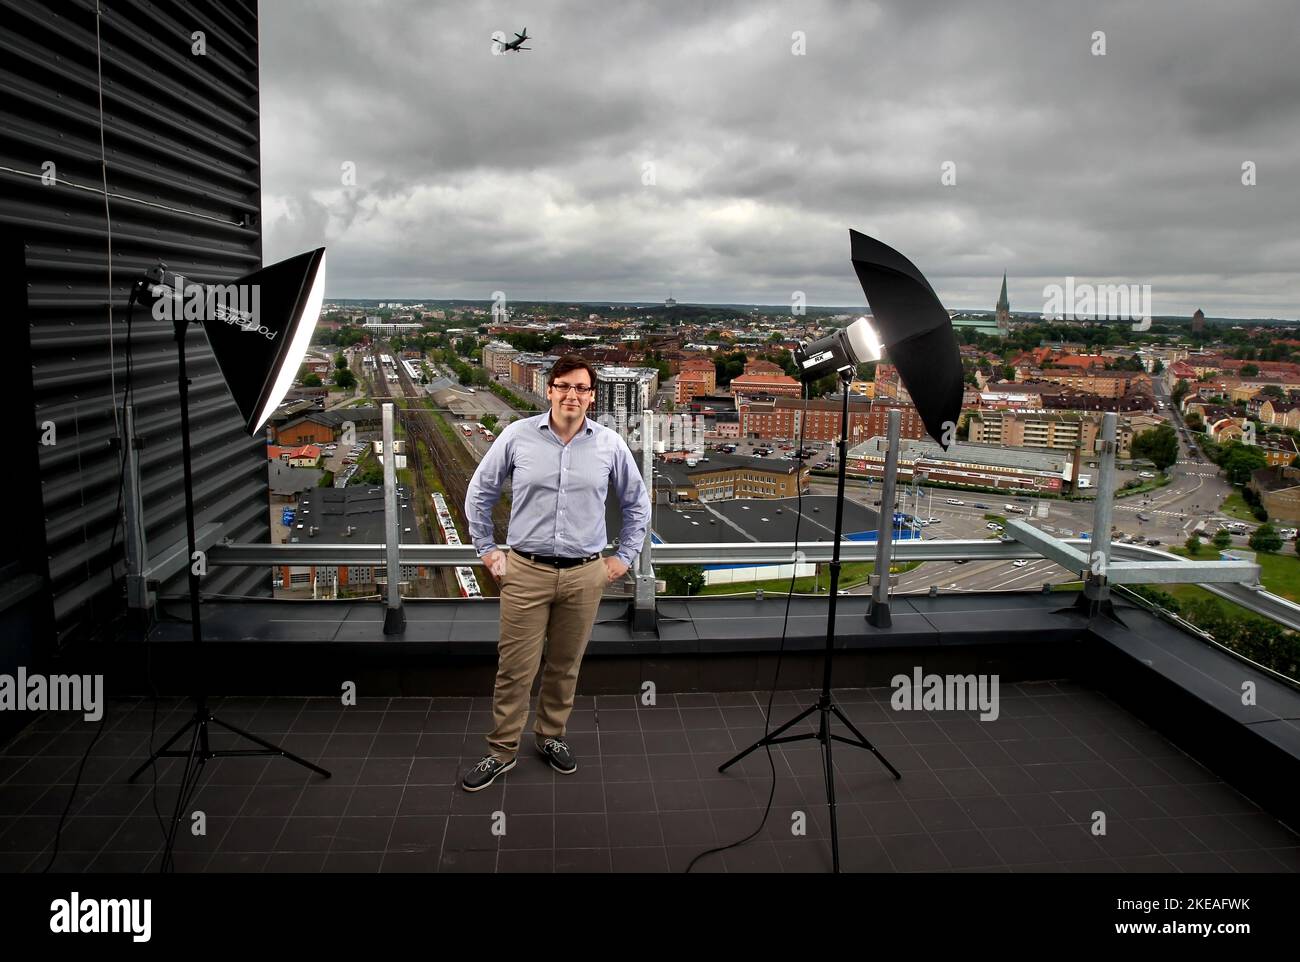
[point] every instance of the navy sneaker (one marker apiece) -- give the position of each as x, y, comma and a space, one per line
484, 773
558, 754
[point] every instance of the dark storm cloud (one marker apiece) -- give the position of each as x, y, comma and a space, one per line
524, 172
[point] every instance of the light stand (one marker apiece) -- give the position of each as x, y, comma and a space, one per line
257, 350
825, 706
200, 751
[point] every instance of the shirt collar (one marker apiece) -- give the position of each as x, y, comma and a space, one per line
546, 425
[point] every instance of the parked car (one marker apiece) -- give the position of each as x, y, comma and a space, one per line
932, 520
1019, 563
993, 526
961, 561
1153, 542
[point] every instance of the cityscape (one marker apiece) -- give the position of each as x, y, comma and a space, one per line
1209, 414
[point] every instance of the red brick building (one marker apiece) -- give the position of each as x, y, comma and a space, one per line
765, 383
769, 419
696, 378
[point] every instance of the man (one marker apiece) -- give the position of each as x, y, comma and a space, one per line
561, 466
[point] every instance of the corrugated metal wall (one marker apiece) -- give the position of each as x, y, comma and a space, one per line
181, 138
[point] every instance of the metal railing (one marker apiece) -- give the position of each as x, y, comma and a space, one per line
1247, 593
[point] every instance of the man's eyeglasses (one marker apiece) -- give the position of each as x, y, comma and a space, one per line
582, 390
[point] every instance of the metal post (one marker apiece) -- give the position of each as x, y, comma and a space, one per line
644, 611
1096, 588
878, 614
137, 549
394, 614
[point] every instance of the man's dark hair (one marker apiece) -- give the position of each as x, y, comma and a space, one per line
571, 362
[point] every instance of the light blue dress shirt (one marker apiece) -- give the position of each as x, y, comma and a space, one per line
558, 491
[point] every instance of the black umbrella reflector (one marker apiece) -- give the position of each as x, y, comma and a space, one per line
916, 332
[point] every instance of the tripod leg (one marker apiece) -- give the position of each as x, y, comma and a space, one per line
768, 739
159, 753
268, 745
865, 744
182, 794
830, 794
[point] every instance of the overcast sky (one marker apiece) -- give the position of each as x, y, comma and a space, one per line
524, 172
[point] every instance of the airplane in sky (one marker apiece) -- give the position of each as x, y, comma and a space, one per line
515, 44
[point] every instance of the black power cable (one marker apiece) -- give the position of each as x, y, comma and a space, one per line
780, 653
123, 457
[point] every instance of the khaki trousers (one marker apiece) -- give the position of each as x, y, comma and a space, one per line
541, 603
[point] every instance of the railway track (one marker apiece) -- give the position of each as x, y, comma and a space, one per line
453, 464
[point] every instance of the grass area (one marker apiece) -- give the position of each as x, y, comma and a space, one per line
1157, 482
1186, 594
511, 398
431, 480
447, 430
1193, 593
1235, 506
1000, 519
852, 573
1279, 573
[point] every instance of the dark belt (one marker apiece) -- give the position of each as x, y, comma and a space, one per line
554, 562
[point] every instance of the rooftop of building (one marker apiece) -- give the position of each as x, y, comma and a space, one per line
1140, 720
351, 514
993, 455
1277, 478
286, 480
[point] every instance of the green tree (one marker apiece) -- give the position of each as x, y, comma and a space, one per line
825, 385
340, 361
1193, 544
1249, 370
1272, 390
1221, 539
683, 579
345, 379
1159, 445
1266, 539
311, 380
1180, 391
1239, 460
